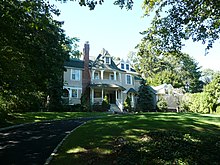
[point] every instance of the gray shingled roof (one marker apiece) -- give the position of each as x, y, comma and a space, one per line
74, 63
100, 63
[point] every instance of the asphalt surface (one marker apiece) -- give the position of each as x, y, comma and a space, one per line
32, 144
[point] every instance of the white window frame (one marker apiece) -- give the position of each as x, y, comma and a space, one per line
77, 92
111, 76
109, 60
75, 71
96, 77
123, 65
126, 66
126, 79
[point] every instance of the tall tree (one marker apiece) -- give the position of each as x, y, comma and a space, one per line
32, 49
158, 68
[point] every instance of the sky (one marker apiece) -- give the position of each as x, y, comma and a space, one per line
118, 31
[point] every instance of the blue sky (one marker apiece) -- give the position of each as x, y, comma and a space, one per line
118, 30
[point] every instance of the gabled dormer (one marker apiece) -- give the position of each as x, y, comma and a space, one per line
125, 65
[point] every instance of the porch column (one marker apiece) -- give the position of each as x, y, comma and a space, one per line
116, 94
102, 71
102, 94
114, 75
92, 95
93, 74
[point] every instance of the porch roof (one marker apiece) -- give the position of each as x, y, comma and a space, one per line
130, 90
114, 86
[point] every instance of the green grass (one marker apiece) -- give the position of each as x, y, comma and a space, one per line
148, 138
30, 117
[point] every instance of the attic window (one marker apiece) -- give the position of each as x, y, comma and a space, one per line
122, 66
127, 66
107, 60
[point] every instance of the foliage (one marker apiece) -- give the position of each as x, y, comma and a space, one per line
91, 4
170, 68
105, 104
32, 53
127, 104
146, 98
205, 102
168, 147
162, 105
212, 92
178, 20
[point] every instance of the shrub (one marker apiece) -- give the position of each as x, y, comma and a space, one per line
162, 105
127, 104
105, 104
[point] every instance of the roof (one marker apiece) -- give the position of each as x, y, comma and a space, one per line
99, 63
106, 86
76, 63
130, 90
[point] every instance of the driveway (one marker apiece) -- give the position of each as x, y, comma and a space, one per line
32, 144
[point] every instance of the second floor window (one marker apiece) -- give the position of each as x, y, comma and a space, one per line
111, 76
128, 79
96, 75
75, 74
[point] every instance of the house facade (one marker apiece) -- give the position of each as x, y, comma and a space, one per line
103, 76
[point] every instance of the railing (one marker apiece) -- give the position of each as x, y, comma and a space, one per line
106, 81
119, 104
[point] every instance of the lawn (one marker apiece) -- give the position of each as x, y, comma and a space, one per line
30, 117
148, 138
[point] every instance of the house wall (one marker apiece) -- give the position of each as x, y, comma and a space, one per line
72, 83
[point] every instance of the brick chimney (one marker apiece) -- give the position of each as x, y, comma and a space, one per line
86, 78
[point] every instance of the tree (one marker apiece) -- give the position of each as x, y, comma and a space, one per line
212, 91
32, 53
208, 75
178, 20
171, 68
92, 3
146, 98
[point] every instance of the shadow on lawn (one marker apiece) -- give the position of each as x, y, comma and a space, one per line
148, 138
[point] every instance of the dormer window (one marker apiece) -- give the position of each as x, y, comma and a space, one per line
107, 60
127, 66
122, 66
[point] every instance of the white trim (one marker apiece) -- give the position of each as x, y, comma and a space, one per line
130, 79
112, 76
73, 70
70, 91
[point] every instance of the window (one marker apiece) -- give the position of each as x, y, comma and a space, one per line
122, 66
128, 79
96, 75
75, 74
107, 60
127, 66
111, 77
74, 93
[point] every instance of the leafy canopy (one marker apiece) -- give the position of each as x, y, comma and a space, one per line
178, 20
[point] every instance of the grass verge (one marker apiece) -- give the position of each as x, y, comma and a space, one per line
30, 117
149, 138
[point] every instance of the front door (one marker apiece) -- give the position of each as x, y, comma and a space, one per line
112, 97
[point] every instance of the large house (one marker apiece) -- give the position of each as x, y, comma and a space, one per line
102, 76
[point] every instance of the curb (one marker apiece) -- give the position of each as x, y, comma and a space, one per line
49, 159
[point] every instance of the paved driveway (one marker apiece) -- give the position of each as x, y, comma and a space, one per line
32, 144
